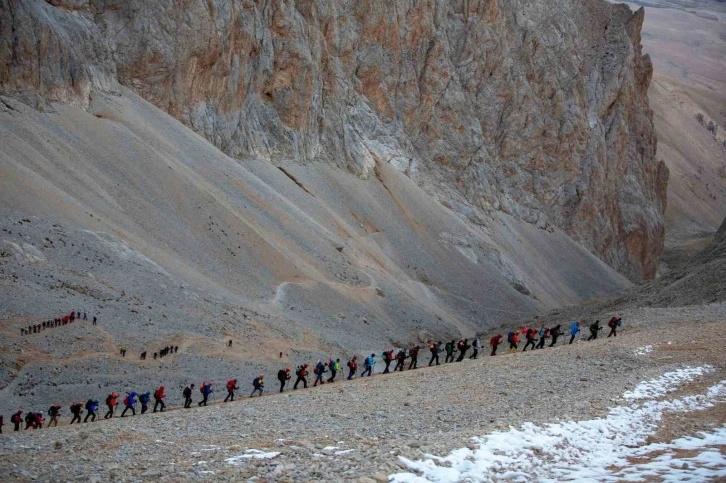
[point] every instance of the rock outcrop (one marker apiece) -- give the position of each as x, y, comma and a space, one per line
537, 109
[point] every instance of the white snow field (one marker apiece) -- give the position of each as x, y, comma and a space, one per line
609, 449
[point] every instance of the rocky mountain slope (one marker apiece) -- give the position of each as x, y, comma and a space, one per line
392, 174
535, 109
689, 58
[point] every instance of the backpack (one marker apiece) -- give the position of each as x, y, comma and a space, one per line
126, 399
432, 347
230, 385
202, 388
369, 361
108, 400
89, 403
510, 336
15, 418
298, 371
187, 392
157, 394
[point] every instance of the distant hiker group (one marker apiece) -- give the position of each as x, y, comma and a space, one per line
534, 338
52, 324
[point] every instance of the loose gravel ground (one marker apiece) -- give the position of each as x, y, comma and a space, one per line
429, 410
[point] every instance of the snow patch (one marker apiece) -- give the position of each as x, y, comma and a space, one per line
593, 450
666, 383
344, 451
641, 351
251, 454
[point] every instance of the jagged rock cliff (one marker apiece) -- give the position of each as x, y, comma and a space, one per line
537, 109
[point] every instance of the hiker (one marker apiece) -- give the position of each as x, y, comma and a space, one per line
368, 364
2, 423
144, 400
129, 403
413, 354
301, 372
258, 384
450, 349
29, 420
400, 360
187, 393
529, 336
283, 375
574, 329
159, 399
231, 387
352, 367
614, 323
229, 344
94, 320
435, 349
334, 366
110, 403
387, 358
16, 419
475, 346
143, 356
91, 408
494, 343
206, 390
513, 339
594, 329
85, 317
155, 355
463, 347
319, 371
555, 333
544, 335
54, 412
76, 411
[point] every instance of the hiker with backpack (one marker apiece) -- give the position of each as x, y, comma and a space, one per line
450, 349
91, 408
435, 349
283, 375
544, 334
529, 337
475, 346
17, 419
159, 399
555, 333
110, 403
334, 366
352, 367
54, 413
400, 360
144, 400
76, 410
206, 390
594, 329
258, 384
614, 323
387, 357
574, 330
413, 354
463, 346
513, 338
231, 387
187, 393
129, 403
319, 370
368, 364
301, 372
494, 343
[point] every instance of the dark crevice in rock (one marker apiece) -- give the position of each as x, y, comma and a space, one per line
294, 180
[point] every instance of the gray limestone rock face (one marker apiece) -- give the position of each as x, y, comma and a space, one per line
535, 109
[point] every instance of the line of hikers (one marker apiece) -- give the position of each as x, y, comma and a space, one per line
165, 351
52, 324
534, 337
